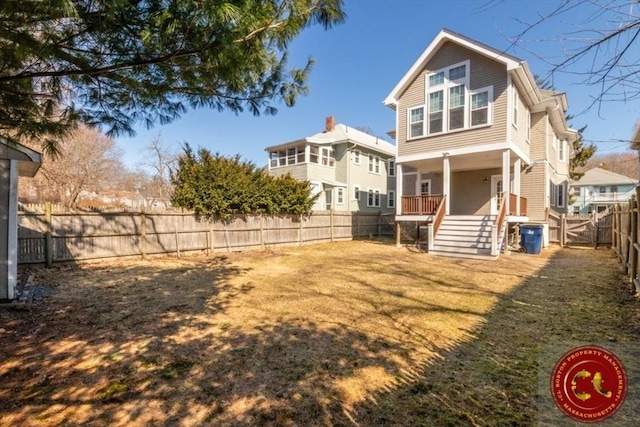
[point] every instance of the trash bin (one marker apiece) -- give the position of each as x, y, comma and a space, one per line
531, 238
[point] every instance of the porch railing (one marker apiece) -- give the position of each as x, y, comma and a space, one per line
440, 211
495, 229
421, 205
513, 199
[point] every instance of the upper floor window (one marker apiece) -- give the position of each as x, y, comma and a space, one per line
288, 156
356, 157
374, 164
416, 122
391, 199
614, 189
450, 105
562, 150
480, 102
561, 195
328, 156
602, 189
527, 117
576, 191
392, 167
516, 104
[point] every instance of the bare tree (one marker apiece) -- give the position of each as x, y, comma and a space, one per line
602, 48
161, 161
623, 163
89, 161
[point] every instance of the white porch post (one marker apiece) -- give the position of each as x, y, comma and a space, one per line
399, 194
446, 182
517, 167
307, 153
506, 182
8, 225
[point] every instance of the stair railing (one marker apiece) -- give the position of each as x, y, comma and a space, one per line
497, 226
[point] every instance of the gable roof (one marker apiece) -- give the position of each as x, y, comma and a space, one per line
29, 161
518, 68
599, 176
342, 133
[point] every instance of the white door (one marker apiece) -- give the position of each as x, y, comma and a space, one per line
496, 193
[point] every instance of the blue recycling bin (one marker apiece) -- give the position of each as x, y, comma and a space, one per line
531, 238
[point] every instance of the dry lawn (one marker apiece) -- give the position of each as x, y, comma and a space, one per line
354, 333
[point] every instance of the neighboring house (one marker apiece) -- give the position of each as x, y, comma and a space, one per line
353, 171
480, 147
598, 190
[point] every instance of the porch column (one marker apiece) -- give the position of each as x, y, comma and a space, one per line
307, 153
517, 167
446, 182
506, 182
9, 228
399, 194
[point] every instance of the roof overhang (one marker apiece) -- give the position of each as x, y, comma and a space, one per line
445, 35
29, 161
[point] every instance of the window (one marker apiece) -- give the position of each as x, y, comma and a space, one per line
527, 117
456, 107
314, 154
561, 195
425, 186
391, 199
480, 111
374, 198
576, 210
288, 156
356, 192
516, 101
392, 168
340, 196
614, 189
436, 105
450, 105
561, 150
374, 164
356, 157
602, 190
576, 191
416, 122
328, 156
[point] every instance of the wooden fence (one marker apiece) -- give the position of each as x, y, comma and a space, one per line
49, 234
626, 238
581, 230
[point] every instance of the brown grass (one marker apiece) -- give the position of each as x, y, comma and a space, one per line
355, 333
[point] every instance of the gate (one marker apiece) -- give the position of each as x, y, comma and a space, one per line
580, 230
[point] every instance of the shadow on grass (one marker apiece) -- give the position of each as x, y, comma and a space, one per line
498, 378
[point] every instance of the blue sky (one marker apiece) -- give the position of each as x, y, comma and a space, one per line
359, 62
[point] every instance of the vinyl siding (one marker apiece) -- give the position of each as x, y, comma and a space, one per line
538, 136
484, 72
299, 171
343, 162
533, 186
470, 195
519, 133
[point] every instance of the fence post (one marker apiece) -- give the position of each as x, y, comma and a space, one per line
357, 224
261, 233
628, 251
300, 231
143, 233
379, 223
48, 239
563, 230
211, 242
398, 235
331, 225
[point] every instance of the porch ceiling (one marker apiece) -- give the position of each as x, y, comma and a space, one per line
462, 162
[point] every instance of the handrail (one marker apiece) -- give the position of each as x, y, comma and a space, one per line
440, 212
501, 213
421, 204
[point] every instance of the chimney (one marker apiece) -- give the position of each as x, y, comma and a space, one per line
329, 124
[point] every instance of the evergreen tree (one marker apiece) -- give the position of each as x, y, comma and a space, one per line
115, 63
217, 186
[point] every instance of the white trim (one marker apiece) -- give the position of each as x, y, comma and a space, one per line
389, 169
395, 201
357, 154
422, 181
340, 195
353, 193
443, 36
515, 107
374, 164
409, 123
488, 89
375, 191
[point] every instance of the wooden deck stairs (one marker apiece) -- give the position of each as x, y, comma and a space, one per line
467, 236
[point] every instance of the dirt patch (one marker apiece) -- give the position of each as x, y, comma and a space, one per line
354, 333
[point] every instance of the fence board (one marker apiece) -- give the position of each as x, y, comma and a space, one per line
82, 235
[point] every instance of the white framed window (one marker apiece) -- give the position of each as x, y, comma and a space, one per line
286, 157
481, 106
356, 157
391, 199
416, 122
328, 156
374, 164
436, 112
356, 193
576, 191
562, 195
562, 155
425, 186
457, 107
392, 167
614, 189
516, 105
374, 198
527, 118
340, 196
